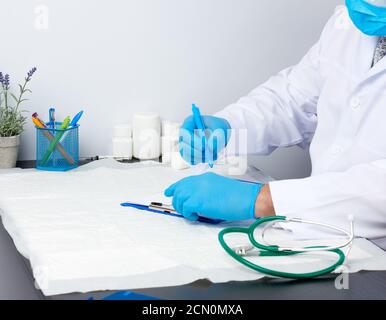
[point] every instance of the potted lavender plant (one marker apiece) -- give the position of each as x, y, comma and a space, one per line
12, 119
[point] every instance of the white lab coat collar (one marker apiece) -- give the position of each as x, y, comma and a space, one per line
370, 44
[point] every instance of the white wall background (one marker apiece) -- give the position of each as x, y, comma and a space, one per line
113, 58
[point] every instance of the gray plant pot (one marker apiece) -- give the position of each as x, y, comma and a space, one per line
9, 147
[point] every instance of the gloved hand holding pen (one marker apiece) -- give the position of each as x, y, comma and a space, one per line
194, 149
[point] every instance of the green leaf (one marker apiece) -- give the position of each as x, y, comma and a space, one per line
14, 97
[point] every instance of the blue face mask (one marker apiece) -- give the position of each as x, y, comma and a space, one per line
368, 18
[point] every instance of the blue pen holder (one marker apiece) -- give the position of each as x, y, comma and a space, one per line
65, 153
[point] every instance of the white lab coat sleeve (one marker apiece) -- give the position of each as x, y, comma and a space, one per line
332, 197
283, 111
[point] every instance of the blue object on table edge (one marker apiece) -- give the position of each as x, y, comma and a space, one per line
126, 295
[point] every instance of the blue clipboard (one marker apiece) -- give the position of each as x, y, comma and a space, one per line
159, 208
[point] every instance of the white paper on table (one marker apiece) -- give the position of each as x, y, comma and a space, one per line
79, 239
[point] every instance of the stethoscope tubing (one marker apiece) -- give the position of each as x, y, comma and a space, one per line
274, 250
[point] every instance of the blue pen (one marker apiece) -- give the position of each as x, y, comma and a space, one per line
76, 119
200, 126
51, 114
73, 123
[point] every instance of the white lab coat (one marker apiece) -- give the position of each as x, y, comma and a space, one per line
334, 101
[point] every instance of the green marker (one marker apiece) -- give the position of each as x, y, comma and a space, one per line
54, 142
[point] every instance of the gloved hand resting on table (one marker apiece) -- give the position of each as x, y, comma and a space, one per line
193, 149
214, 196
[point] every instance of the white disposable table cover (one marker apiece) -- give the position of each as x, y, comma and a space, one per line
78, 238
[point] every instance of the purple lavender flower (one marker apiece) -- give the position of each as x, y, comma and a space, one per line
1, 78
6, 82
31, 73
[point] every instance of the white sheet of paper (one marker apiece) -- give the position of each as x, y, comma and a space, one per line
79, 239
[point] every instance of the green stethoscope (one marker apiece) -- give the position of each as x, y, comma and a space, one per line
266, 249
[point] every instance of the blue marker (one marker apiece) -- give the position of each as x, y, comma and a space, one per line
200, 126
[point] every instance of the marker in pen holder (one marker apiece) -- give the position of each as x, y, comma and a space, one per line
57, 149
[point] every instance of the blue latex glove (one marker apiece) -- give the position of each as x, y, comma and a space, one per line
215, 197
195, 150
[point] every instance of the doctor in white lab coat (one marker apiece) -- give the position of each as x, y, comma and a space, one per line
335, 101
